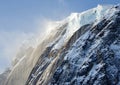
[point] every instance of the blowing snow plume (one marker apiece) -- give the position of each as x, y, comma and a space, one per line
29, 51
20, 43
82, 49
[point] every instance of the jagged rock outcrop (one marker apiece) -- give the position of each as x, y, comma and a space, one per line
92, 59
83, 50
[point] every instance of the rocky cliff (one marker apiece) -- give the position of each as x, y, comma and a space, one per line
83, 49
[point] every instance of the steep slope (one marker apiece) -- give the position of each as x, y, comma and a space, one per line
3, 76
83, 49
93, 59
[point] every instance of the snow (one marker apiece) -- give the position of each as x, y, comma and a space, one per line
76, 20
95, 69
73, 53
116, 49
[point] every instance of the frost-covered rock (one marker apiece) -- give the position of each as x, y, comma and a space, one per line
83, 49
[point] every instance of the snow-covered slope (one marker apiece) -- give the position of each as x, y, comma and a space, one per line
79, 50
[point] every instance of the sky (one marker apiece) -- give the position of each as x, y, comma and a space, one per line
22, 19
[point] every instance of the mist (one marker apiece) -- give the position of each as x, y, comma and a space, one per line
11, 41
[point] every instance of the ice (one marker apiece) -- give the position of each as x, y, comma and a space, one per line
73, 23
76, 20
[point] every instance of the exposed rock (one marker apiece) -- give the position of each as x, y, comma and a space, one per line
88, 54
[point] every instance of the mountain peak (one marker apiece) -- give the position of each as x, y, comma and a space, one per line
83, 50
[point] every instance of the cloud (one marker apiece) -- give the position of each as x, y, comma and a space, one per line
9, 45
11, 41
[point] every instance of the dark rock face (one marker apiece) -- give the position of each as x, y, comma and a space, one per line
97, 66
91, 57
